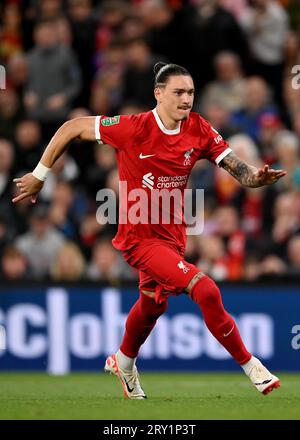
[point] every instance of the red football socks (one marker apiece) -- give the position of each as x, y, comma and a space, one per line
208, 297
145, 312
141, 320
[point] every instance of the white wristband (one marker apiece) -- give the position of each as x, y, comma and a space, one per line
41, 171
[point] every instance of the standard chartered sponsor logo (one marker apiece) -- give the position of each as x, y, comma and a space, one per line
55, 333
172, 181
148, 181
163, 182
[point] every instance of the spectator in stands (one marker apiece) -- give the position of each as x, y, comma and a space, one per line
236, 7
226, 187
108, 80
39, 10
293, 255
64, 32
286, 222
14, 265
6, 163
213, 260
219, 118
296, 123
6, 232
266, 24
113, 14
63, 211
29, 144
291, 52
138, 78
272, 266
69, 264
53, 80
6, 173
257, 102
18, 73
66, 169
291, 96
162, 29
49, 9
104, 161
269, 126
83, 24
286, 145
91, 228
228, 88
107, 265
228, 229
10, 32
132, 28
10, 112
208, 30
41, 243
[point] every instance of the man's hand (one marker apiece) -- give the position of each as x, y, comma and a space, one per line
248, 175
29, 186
268, 176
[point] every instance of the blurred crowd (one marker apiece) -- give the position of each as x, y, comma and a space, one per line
70, 58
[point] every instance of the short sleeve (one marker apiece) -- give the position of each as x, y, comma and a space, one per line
117, 131
215, 147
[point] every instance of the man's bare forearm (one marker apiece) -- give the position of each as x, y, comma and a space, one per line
244, 173
58, 144
82, 128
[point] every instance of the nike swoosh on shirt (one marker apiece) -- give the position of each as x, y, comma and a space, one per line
141, 156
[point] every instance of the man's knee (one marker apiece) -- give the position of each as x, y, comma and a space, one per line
193, 281
148, 293
208, 293
148, 298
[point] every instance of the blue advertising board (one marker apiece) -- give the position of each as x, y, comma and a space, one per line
59, 329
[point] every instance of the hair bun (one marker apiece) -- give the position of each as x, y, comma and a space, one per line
158, 66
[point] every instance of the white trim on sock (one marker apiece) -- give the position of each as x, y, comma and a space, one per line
125, 362
247, 367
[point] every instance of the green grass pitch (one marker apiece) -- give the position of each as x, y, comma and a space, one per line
184, 396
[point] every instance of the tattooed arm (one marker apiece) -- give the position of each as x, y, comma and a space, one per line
248, 175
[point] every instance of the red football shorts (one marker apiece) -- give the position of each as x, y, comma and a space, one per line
162, 267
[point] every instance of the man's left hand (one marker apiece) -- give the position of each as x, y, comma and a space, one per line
268, 176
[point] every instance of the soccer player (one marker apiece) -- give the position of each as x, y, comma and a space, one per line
152, 148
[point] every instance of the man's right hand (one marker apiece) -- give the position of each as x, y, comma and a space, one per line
29, 186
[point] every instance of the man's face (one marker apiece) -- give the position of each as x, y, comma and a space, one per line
176, 97
46, 35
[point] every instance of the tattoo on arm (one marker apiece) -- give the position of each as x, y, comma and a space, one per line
241, 171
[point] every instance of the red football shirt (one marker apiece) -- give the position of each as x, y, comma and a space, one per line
151, 157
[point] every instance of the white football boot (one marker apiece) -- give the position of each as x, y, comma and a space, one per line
129, 379
262, 379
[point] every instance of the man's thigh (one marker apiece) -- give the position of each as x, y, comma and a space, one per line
162, 264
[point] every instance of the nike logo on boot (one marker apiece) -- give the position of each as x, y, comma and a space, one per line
127, 386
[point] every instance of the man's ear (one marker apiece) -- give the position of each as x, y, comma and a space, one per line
157, 94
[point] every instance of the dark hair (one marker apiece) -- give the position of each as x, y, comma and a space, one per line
163, 71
